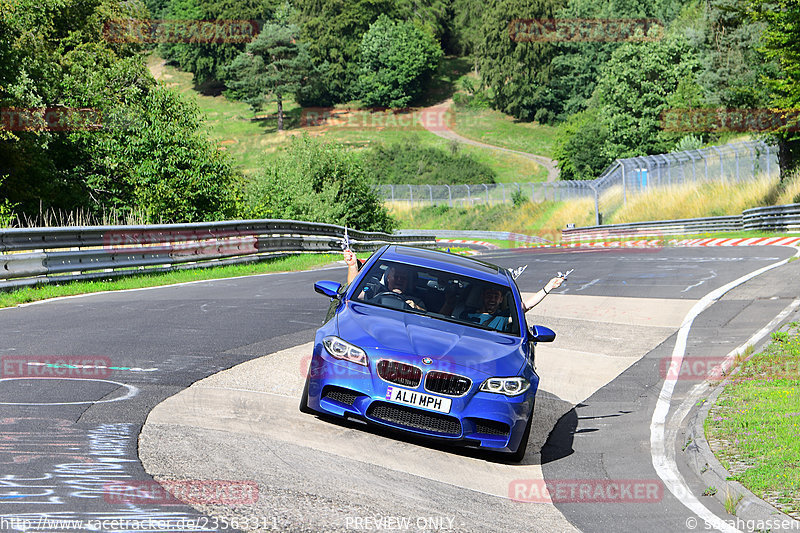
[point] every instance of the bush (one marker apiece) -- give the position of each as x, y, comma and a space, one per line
397, 59
518, 198
409, 163
155, 159
580, 146
471, 97
316, 182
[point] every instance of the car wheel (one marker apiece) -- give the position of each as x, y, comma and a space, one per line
304, 408
518, 455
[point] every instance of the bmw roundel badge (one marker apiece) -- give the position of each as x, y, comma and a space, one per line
427, 360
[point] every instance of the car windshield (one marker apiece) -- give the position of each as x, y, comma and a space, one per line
441, 295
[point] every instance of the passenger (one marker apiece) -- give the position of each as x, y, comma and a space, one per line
353, 265
544, 291
490, 314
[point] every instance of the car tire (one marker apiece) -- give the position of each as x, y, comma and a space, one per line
519, 455
304, 408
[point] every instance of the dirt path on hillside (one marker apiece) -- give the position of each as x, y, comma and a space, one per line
435, 123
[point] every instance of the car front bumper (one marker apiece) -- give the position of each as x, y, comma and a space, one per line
477, 419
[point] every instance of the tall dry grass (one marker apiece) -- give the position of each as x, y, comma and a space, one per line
697, 200
51, 218
547, 219
791, 190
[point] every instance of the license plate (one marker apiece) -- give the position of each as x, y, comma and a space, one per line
418, 399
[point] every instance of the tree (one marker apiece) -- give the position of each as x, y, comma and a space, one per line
273, 65
633, 91
396, 60
580, 146
781, 43
517, 72
156, 160
142, 147
207, 60
577, 65
732, 69
464, 30
317, 182
334, 29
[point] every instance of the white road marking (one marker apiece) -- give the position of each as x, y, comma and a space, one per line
703, 280
663, 461
132, 391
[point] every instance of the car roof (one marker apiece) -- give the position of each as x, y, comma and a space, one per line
448, 262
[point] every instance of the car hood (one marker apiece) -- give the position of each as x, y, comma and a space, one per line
410, 337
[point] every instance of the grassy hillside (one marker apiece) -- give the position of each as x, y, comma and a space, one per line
249, 139
498, 129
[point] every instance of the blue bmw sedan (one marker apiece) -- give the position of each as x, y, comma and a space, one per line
429, 343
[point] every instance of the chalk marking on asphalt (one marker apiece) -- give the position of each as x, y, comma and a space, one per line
663, 462
587, 285
64, 365
132, 391
690, 287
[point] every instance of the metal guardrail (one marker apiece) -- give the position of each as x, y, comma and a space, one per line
776, 218
474, 234
52, 255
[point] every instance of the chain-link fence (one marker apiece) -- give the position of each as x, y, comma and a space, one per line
734, 162
483, 193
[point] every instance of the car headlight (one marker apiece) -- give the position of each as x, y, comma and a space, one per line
344, 350
508, 386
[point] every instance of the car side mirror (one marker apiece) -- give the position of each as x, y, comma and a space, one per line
542, 334
328, 288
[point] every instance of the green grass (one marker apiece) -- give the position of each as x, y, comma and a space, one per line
496, 128
282, 264
232, 123
510, 168
754, 427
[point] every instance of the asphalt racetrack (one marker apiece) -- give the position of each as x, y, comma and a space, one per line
199, 383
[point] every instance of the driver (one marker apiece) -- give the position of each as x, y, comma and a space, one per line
397, 280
